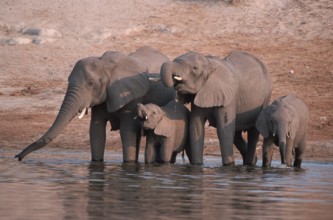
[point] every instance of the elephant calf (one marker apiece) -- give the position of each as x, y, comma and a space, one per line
284, 122
166, 129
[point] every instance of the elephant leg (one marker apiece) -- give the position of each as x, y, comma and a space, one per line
253, 136
267, 152
166, 151
289, 152
299, 153
97, 132
150, 152
138, 141
240, 144
197, 135
226, 125
188, 150
128, 133
173, 157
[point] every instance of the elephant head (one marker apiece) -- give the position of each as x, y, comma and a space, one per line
208, 79
154, 118
113, 78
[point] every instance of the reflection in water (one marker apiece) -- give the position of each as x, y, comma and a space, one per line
67, 187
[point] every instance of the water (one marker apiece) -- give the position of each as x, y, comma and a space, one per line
65, 185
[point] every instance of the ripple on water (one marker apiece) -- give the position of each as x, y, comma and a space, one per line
63, 185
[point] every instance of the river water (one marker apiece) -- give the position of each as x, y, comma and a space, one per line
50, 184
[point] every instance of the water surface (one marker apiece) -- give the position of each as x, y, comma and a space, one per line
66, 185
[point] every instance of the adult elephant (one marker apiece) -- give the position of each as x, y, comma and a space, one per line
229, 92
112, 85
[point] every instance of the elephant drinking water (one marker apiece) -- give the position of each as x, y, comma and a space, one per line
111, 85
229, 92
284, 123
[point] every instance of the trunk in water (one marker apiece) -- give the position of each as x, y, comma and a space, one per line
69, 108
282, 144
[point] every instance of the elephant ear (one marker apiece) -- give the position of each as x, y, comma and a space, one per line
163, 127
125, 90
261, 124
220, 87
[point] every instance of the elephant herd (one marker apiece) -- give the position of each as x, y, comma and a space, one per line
145, 93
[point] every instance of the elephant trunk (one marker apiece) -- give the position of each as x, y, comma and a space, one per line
141, 112
70, 107
282, 144
167, 74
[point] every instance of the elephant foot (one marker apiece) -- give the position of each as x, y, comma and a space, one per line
130, 161
297, 163
197, 164
251, 163
97, 160
163, 162
283, 166
229, 164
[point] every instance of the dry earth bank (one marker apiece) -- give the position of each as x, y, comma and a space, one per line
40, 42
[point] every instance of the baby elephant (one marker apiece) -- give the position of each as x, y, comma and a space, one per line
284, 122
166, 129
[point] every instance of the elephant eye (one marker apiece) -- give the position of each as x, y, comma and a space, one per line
90, 83
195, 68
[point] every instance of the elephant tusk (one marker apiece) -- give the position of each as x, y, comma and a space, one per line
154, 79
82, 113
146, 117
135, 117
178, 78
273, 134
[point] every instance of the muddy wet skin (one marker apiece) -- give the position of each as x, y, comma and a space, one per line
64, 185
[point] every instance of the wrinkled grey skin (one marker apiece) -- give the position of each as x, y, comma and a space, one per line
166, 129
284, 123
111, 85
229, 92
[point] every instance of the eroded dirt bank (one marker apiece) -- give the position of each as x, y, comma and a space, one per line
41, 41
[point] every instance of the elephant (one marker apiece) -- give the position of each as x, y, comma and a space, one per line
112, 85
284, 123
166, 128
229, 93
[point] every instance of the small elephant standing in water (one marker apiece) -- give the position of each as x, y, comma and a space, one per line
284, 122
166, 128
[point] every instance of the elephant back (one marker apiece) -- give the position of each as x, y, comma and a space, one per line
151, 58
158, 94
255, 86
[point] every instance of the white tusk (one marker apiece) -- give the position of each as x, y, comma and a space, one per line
178, 78
273, 134
82, 113
146, 117
135, 117
154, 79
